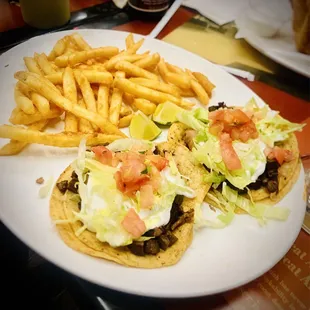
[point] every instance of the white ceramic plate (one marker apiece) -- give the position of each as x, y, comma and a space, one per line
217, 260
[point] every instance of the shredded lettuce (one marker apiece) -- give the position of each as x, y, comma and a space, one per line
195, 119
214, 177
251, 155
274, 128
127, 143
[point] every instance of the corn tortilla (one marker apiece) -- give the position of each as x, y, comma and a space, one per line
62, 208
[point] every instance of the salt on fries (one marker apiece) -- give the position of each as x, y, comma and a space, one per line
94, 92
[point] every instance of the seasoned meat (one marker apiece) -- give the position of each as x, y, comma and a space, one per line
172, 238
164, 242
137, 248
272, 186
176, 211
154, 232
184, 218
156, 151
268, 179
73, 186
74, 175
189, 138
220, 105
62, 186
40, 180
151, 247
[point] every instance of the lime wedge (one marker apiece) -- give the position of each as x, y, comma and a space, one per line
166, 112
141, 127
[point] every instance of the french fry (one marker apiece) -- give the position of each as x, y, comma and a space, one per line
200, 92
134, 70
125, 121
80, 42
24, 88
163, 87
38, 84
116, 103
180, 80
18, 117
103, 101
134, 48
32, 65
14, 147
149, 94
58, 49
125, 110
110, 64
204, 82
129, 41
41, 103
91, 75
84, 125
44, 64
70, 139
86, 90
70, 92
128, 99
187, 92
190, 73
163, 70
23, 102
148, 61
80, 57
174, 69
146, 106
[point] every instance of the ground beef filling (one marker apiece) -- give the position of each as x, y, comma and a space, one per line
162, 237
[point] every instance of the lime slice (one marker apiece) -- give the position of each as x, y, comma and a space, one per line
141, 127
166, 112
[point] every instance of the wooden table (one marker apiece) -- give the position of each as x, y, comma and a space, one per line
290, 107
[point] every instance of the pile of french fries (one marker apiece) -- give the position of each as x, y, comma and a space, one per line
94, 91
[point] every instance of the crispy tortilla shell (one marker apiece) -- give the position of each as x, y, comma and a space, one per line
62, 208
287, 177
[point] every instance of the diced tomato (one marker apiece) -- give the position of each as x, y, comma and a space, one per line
131, 170
217, 115
119, 183
155, 178
239, 117
234, 122
216, 128
146, 196
228, 153
103, 154
133, 224
132, 187
281, 155
158, 161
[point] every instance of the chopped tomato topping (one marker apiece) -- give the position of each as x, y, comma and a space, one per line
119, 183
216, 128
133, 224
131, 170
146, 196
159, 162
234, 122
280, 155
103, 154
228, 153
